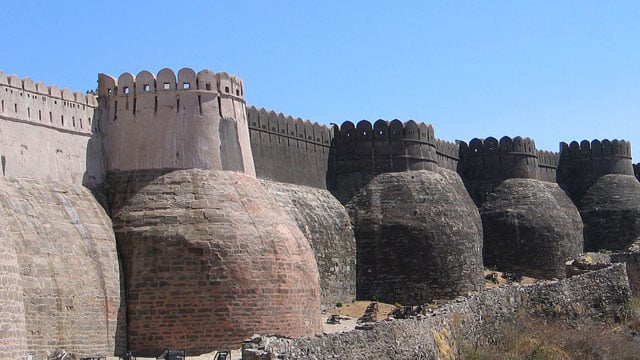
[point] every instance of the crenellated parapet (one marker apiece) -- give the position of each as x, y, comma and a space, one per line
384, 147
447, 154
289, 149
547, 165
48, 133
35, 103
581, 164
493, 160
188, 120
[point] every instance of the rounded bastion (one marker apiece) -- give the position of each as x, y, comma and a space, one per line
610, 209
419, 237
530, 226
210, 259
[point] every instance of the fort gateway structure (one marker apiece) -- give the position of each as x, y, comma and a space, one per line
162, 211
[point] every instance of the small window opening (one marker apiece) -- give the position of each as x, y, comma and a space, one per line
147, 88
207, 86
237, 92
62, 119
2, 105
28, 112
125, 90
166, 86
40, 115
109, 91
15, 107
73, 121
80, 123
226, 89
186, 85
50, 117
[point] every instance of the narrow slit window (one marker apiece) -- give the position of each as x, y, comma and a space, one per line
62, 119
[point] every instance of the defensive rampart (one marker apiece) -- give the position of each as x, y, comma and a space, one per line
600, 295
289, 150
192, 121
582, 164
46, 133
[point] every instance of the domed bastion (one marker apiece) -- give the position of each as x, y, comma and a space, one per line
163, 212
209, 257
418, 233
599, 177
530, 224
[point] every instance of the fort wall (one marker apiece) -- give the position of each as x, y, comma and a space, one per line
548, 165
189, 121
581, 164
47, 133
447, 154
288, 149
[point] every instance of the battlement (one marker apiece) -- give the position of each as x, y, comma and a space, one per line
581, 164
447, 154
548, 165
192, 120
494, 160
289, 149
22, 100
384, 147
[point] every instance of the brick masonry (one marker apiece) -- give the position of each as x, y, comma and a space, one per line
60, 278
326, 224
210, 259
400, 222
530, 226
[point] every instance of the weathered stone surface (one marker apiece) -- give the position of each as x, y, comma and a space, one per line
530, 226
610, 209
61, 279
419, 238
210, 259
596, 296
327, 226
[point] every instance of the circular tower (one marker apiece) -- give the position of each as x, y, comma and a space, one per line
419, 238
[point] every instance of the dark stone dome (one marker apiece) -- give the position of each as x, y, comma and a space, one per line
210, 259
610, 209
530, 226
419, 238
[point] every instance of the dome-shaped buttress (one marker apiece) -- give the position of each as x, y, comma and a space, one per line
210, 259
610, 210
530, 226
418, 238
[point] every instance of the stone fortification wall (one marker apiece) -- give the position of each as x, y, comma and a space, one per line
65, 290
582, 164
486, 163
47, 133
531, 227
599, 177
326, 224
288, 149
418, 236
210, 259
192, 121
548, 165
384, 147
447, 154
600, 295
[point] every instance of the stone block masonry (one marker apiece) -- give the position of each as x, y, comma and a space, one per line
600, 295
61, 277
210, 259
326, 224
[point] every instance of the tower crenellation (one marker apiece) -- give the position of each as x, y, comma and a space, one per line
192, 120
582, 164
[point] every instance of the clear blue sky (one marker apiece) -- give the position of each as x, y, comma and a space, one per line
550, 70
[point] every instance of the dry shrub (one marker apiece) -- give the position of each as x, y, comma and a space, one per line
531, 338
